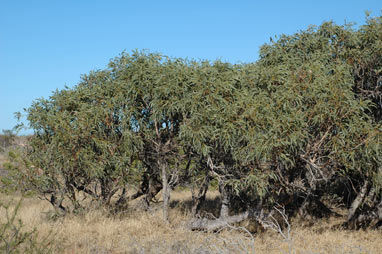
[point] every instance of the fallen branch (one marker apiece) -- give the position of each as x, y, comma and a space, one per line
215, 224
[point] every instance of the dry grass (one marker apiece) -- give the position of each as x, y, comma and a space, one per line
141, 232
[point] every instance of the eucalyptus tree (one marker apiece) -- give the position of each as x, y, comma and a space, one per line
298, 127
116, 127
155, 87
83, 144
365, 55
213, 129
320, 132
294, 129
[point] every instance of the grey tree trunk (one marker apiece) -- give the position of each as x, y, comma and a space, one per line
357, 201
166, 190
224, 193
379, 210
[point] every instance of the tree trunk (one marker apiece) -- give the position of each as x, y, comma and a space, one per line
198, 199
379, 211
121, 202
105, 190
143, 189
224, 195
357, 201
371, 217
166, 189
57, 204
154, 188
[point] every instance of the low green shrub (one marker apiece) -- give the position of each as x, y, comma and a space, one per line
14, 238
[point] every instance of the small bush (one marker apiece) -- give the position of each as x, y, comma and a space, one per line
15, 239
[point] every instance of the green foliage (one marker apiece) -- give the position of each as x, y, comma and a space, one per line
15, 239
305, 115
17, 174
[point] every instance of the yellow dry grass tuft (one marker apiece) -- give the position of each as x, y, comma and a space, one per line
145, 232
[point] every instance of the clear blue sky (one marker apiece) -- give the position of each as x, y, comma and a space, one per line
45, 45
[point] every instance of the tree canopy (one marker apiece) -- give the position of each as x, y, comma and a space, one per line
301, 127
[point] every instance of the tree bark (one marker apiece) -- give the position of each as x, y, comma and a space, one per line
379, 210
371, 217
153, 189
257, 213
57, 204
166, 190
198, 199
211, 225
224, 194
357, 201
145, 188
